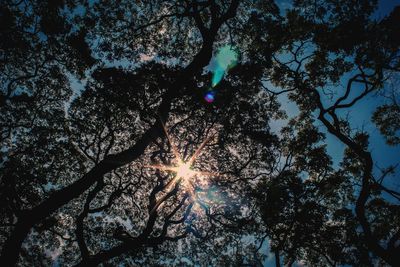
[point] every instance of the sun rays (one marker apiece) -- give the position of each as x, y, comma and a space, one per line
185, 174
183, 170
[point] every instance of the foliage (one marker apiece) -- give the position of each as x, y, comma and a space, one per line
85, 166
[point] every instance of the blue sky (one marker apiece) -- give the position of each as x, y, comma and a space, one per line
360, 118
359, 115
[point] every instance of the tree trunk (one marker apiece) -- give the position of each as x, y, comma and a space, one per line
277, 259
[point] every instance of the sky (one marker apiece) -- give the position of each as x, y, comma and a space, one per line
360, 117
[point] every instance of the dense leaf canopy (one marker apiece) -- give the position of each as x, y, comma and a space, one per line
157, 133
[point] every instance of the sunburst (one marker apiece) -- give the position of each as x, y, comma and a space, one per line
185, 174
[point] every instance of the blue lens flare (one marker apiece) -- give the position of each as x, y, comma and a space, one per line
209, 97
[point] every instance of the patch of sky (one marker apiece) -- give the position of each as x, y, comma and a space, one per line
384, 8
284, 5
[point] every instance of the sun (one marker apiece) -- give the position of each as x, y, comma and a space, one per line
184, 170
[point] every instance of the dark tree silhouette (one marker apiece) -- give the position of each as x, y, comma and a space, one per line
336, 44
132, 165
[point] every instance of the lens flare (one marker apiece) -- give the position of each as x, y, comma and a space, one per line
217, 76
225, 59
209, 97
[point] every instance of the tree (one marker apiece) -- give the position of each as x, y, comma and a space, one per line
166, 149
386, 117
321, 56
103, 145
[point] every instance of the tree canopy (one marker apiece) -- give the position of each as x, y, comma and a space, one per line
161, 133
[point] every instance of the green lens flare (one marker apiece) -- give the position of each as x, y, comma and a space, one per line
225, 59
217, 76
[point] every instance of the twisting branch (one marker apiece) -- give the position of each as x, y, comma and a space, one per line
79, 220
